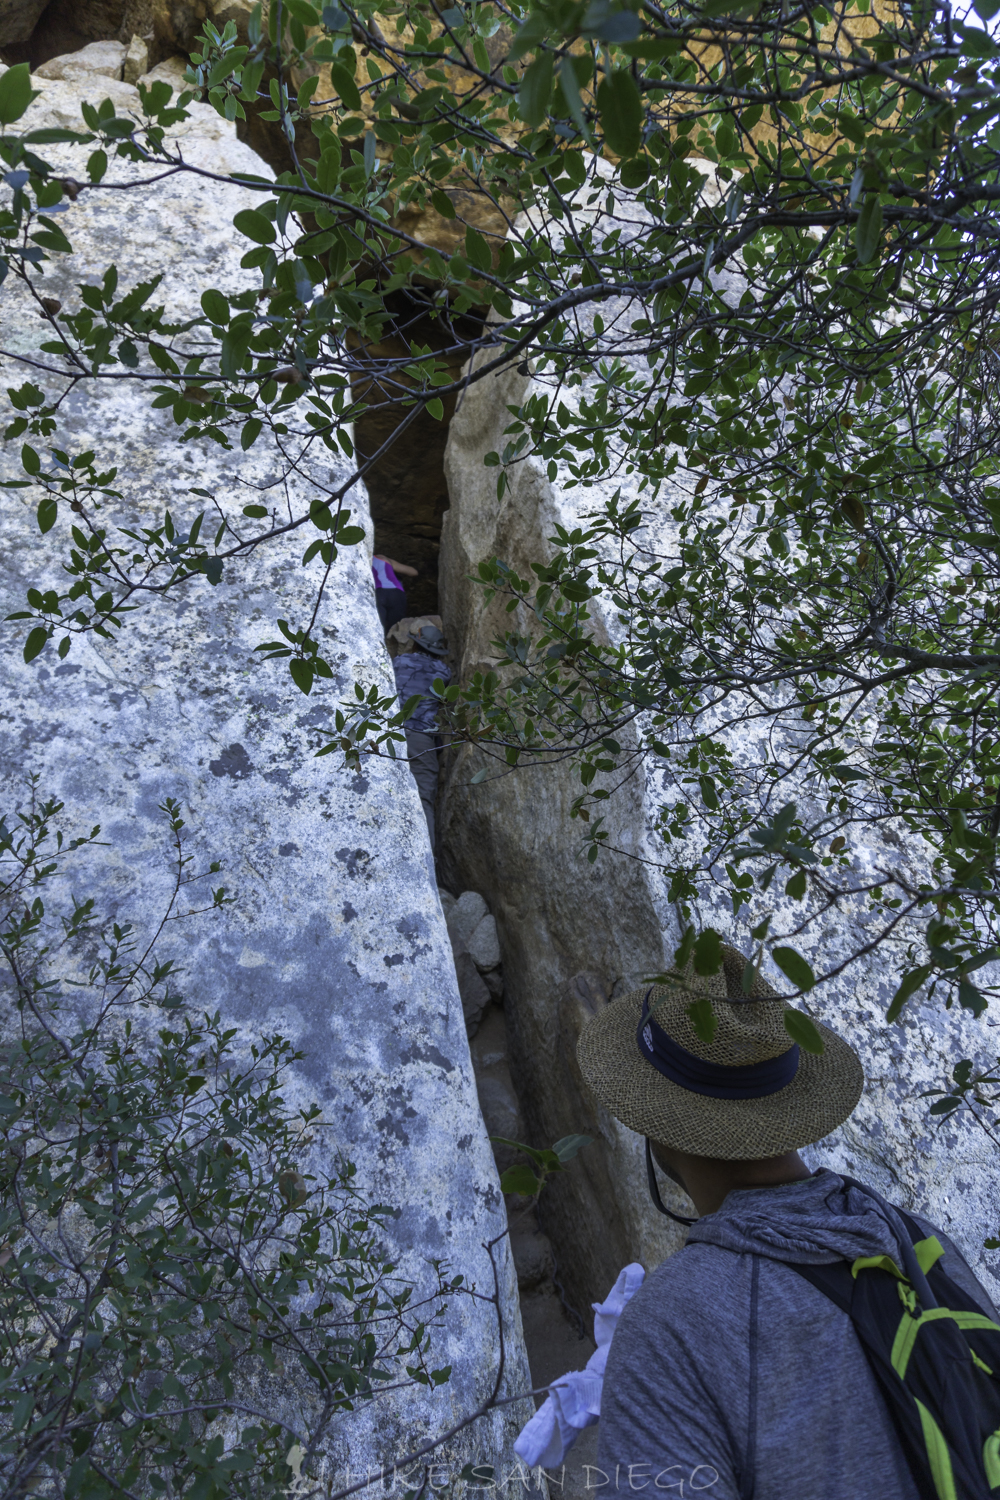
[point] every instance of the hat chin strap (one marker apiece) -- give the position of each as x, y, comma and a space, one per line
654, 1191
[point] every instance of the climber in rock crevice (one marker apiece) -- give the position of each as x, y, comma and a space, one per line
390, 594
420, 649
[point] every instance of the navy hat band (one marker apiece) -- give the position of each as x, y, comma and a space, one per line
715, 1080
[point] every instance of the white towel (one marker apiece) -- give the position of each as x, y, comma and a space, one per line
575, 1399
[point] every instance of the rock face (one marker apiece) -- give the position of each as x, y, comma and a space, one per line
97, 59
17, 19
558, 917
572, 933
337, 938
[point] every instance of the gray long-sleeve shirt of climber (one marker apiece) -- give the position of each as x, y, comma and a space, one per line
675, 1406
414, 673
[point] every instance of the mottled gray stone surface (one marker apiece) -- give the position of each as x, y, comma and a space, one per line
337, 938
564, 923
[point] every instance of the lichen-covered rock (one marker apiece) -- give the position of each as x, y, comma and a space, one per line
337, 938
511, 838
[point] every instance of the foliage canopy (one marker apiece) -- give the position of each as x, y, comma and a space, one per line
749, 254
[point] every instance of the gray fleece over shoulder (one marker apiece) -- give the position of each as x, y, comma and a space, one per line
676, 1402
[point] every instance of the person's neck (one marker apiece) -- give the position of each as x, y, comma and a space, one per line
708, 1181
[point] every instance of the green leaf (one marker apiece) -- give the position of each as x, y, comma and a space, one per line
35, 642
249, 435
435, 409
570, 1145
477, 251
302, 674
520, 1179
794, 967
255, 512
529, 35
47, 513
971, 998
704, 1020
725, 139
621, 113
25, 1404
709, 795
345, 85
536, 87
215, 306
15, 93
796, 885
708, 952
851, 126
443, 204
255, 226
571, 93
909, 984
868, 230
683, 951
803, 1029
541, 1157
635, 171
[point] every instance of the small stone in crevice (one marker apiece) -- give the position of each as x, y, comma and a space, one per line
533, 1258
484, 944
493, 981
474, 994
475, 944
464, 917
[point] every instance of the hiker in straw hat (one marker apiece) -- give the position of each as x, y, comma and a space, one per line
733, 1369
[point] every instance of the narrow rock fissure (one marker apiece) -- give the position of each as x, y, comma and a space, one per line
552, 1327
407, 491
557, 1333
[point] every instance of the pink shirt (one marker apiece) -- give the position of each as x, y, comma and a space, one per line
385, 578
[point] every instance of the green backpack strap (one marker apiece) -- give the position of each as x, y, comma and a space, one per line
935, 1356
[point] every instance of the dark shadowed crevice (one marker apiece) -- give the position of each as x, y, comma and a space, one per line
407, 491
65, 26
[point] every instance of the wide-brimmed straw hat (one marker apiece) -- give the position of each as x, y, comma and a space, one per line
749, 1093
417, 631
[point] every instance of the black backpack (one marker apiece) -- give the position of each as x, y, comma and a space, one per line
935, 1355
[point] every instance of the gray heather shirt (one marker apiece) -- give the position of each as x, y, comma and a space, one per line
414, 672
675, 1407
